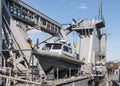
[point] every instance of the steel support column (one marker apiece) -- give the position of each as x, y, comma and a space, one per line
0, 35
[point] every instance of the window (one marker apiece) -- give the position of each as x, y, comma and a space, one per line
57, 46
70, 50
48, 47
65, 48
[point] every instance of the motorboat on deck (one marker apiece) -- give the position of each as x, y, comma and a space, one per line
57, 55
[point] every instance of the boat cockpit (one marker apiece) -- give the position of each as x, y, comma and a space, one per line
59, 48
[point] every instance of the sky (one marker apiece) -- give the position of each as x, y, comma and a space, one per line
63, 11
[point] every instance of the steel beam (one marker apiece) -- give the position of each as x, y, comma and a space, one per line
0, 31
37, 12
32, 17
67, 27
34, 11
0, 35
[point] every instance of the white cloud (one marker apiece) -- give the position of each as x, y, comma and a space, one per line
82, 6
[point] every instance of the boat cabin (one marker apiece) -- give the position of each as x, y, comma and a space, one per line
60, 48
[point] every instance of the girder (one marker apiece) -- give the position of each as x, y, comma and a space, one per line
0, 35
32, 17
67, 30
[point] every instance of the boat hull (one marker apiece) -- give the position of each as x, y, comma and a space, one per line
54, 60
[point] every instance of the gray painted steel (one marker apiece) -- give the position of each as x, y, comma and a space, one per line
0, 30
92, 46
37, 12
57, 61
75, 82
33, 18
17, 35
0, 35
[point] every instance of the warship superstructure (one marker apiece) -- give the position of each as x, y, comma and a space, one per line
57, 63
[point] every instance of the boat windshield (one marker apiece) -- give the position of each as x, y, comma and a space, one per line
52, 46
47, 47
57, 46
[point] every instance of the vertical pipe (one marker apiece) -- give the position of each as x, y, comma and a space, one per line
0, 36
57, 73
78, 71
69, 72
32, 67
0, 31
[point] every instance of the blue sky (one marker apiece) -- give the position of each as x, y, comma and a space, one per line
64, 11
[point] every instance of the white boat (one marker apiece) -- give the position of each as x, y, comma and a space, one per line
57, 55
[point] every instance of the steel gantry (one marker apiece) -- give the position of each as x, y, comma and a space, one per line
22, 63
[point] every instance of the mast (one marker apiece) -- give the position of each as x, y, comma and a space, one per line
100, 10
